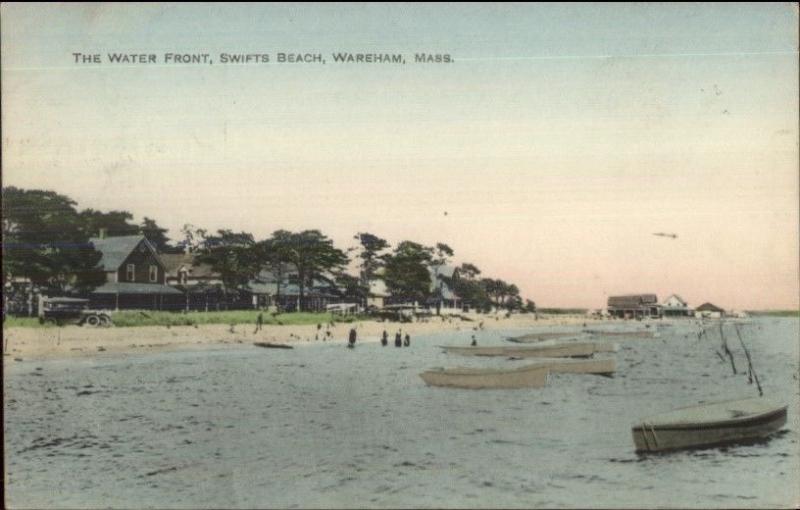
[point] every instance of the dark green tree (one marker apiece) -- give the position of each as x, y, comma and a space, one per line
45, 240
311, 253
233, 255
112, 223
406, 275
156, 235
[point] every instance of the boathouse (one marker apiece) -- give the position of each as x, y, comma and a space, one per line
634, 306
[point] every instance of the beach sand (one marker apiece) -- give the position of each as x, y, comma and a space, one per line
78, 341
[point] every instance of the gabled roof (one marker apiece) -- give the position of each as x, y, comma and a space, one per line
708, 307
174, 262
438, 283
116, 249
632, 300
377, 288
680, 299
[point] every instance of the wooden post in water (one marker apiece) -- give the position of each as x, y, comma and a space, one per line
749, 363
725, 347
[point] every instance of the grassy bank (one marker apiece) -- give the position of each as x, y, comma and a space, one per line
134, 318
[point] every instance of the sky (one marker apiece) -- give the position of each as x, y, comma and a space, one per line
547, 153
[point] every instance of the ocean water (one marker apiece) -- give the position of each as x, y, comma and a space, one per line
326, 426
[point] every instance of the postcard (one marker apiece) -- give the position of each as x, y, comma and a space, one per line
396, 255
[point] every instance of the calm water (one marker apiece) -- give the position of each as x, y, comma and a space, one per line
324, 426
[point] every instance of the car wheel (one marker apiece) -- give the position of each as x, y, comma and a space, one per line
105, 321
92, 320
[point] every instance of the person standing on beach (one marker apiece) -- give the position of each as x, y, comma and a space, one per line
385, 338
352, 339
474, 341
398, 339
259, 322
407, 341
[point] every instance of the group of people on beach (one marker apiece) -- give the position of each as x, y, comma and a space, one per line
399, 340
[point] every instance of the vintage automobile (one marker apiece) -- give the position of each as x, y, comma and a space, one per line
66, 310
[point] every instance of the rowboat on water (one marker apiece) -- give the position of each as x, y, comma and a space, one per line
533, 338
709, 425
531, 376
599, 366
268, 345
562, 350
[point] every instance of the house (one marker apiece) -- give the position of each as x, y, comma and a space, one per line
634, 306
135, 276
444, 300
378, 292
201, 286
283, 291
675, 306
709, 311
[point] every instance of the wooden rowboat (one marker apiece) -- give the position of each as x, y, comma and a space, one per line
562, 350
599, 366
629, 334
532, 376
709, 425
268, 345
533, 338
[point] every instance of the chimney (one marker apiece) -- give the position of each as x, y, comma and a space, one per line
102, 233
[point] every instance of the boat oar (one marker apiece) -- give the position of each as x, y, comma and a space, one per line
749, 363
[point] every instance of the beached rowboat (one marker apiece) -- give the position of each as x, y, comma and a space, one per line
629, 334
562, 350
531, 376
268, 345
709, 425
533, 338
599, 366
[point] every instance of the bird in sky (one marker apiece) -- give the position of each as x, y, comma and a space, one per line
664, 234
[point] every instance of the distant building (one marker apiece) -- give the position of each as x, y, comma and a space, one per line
675, 306
634, 306
378, 292
283, 291
710, 311
444, 300
201, 286
135, 276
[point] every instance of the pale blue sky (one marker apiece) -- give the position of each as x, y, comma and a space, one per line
559, 140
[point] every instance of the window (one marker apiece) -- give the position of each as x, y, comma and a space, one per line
153, 273
130, 272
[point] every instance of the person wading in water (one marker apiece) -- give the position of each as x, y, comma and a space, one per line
398, 339
352, 340
407, 341
385, 338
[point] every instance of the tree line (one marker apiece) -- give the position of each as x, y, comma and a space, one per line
46, 240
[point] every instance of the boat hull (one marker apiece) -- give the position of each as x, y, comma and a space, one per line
477, 379
540, 337
600, 366
659, 437
566, 350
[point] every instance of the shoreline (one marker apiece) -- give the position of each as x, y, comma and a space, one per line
21, 343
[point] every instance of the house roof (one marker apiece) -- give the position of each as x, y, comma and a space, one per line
377, 288
135, 288
632, 300
680, 299
116, 249
708, 307
438, 282
174, 262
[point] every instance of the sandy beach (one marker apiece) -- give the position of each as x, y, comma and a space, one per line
77, 341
